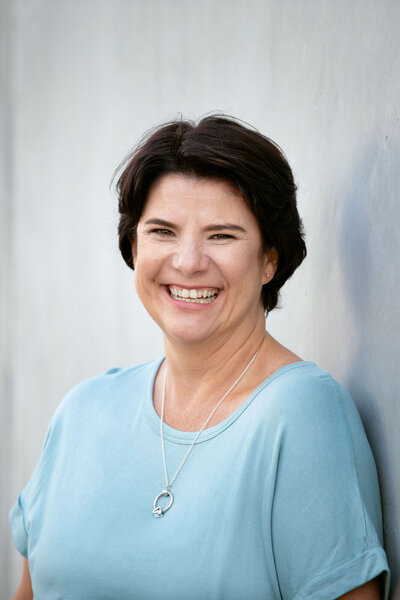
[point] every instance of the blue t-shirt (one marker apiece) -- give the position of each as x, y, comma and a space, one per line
278, 501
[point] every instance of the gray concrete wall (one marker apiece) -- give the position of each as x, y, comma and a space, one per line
6, 136
83, 80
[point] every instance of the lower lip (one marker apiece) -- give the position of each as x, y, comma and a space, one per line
189, 305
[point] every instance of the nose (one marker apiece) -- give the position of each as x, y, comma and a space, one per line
189, 257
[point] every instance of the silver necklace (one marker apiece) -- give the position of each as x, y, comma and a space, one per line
157, 510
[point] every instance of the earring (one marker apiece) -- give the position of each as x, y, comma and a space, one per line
268, 275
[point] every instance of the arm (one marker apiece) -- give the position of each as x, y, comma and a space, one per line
24, 591
368, 591
325, 485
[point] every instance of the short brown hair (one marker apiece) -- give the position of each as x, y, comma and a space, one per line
219, 147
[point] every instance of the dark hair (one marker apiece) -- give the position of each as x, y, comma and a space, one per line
219, 147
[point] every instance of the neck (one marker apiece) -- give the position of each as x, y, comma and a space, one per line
202, 371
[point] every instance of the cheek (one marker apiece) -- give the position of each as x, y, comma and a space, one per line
244, 274
149, 262
141, 254
137, 281
246, 264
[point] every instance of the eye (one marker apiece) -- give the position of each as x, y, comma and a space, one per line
162, 232
222, 236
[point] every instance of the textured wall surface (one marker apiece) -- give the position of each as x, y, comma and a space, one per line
6, 464
82, 80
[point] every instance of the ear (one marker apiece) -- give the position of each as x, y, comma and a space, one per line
271, 261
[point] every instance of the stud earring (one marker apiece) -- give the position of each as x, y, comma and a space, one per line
268, 275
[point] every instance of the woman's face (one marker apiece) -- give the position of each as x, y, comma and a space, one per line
199, 264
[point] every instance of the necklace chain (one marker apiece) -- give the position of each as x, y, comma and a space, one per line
168, 484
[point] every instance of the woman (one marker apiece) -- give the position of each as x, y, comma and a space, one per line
230, 469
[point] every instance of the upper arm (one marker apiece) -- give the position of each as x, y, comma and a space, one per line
24, 591
326, 525
368, 591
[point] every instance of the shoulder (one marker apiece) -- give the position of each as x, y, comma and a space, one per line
310, 408
302, 388
317, 424
102, 395
326, 492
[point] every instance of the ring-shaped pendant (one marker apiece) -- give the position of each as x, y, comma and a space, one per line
157, 510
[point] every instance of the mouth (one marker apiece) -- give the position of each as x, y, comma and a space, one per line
194, 295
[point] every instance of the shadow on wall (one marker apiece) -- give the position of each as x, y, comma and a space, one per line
370, 242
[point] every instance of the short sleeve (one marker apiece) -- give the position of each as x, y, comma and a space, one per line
326, 520
31, 508
18, 530
19, 514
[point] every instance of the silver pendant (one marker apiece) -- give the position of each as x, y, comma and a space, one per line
157, 510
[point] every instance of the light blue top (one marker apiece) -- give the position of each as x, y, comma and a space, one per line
278, 501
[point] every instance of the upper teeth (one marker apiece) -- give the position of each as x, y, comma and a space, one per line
184, 293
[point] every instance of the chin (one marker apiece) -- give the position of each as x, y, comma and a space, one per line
187, 335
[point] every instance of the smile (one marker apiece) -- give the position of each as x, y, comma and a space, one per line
200, 296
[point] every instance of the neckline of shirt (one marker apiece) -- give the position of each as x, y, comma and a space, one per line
186, 437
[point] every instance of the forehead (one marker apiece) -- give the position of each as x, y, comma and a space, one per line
180, 194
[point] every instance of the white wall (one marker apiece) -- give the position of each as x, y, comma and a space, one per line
6, 465
83, 79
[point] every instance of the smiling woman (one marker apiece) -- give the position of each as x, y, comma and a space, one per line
200, 277
230, 467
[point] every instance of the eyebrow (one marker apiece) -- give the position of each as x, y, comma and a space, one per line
216, 227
